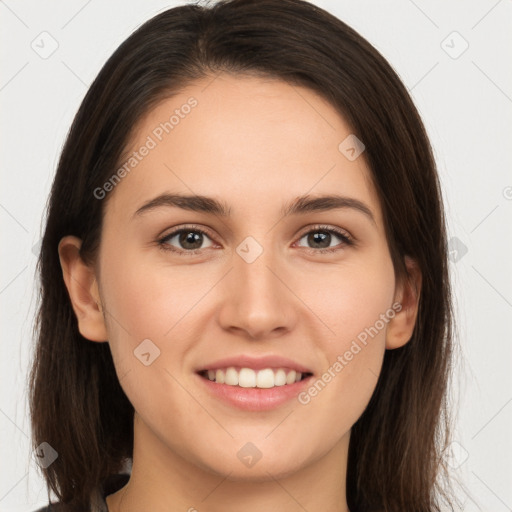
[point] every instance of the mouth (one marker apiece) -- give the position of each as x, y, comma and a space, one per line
263, 378
254, 383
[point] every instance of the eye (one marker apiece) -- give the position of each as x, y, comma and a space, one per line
189, 240
321, 238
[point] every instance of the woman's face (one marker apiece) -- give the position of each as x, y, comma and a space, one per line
267, 285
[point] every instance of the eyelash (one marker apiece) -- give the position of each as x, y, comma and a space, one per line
347, 240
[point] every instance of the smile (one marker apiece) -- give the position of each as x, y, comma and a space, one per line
264, 389
249, 378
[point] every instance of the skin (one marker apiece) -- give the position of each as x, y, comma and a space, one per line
255, 144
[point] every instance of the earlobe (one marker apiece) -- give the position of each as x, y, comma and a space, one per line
408, 292
83, 290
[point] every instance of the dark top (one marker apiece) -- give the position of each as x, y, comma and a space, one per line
111, 485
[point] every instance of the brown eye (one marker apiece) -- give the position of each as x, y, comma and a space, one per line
326, 239
188, 240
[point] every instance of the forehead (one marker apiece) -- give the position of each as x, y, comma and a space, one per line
248, 140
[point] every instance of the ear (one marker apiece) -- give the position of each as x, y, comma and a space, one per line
407, 293
83, 290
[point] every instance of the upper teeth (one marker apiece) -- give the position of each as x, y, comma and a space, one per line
249, 378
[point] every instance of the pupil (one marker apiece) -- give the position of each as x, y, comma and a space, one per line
319, 237
190, 237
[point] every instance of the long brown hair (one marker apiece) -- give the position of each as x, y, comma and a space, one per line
77, 404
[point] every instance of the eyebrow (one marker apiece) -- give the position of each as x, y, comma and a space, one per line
300, 205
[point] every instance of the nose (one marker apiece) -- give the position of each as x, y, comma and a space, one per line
257, 300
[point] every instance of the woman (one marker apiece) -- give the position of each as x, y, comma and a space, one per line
245, 298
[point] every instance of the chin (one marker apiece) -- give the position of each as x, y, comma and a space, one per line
267, 468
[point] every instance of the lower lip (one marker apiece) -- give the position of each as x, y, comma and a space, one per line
255, 399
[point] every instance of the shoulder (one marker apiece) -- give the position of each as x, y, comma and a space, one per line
53, 507
112, 484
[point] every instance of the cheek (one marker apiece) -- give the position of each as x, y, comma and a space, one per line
148, 301
355, 303
147, 306
350, 299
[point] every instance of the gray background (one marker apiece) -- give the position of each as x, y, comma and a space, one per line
465, 98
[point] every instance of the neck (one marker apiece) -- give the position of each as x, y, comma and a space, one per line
161, 480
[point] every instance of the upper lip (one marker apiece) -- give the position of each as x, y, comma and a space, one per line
256, 363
